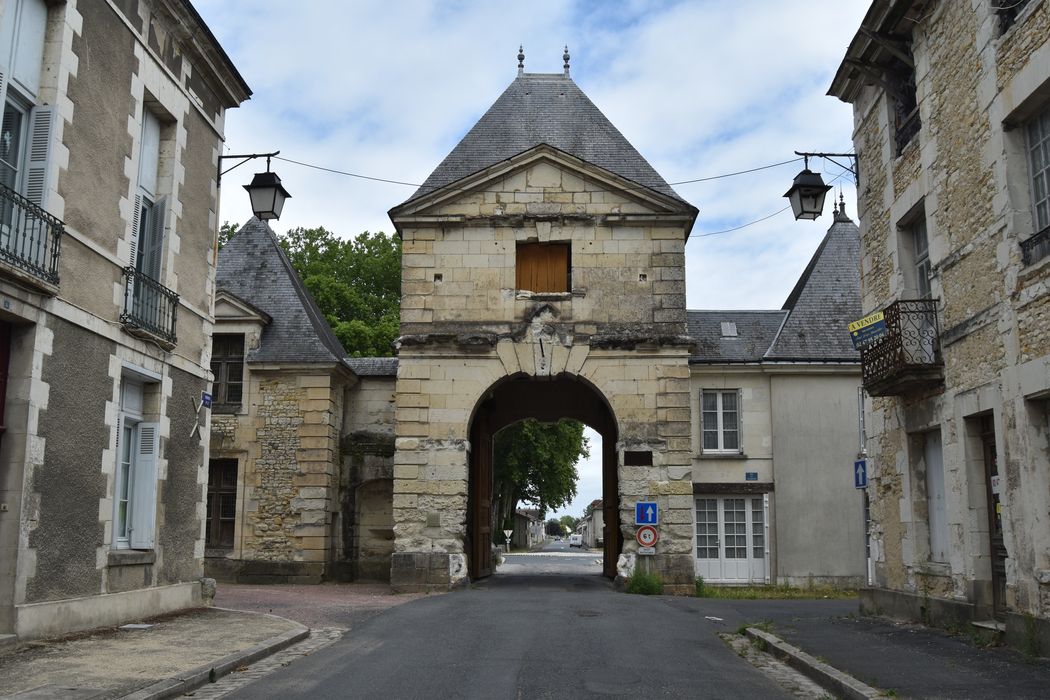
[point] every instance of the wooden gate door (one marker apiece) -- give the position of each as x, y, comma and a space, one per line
612, 534
480, 501
995, 517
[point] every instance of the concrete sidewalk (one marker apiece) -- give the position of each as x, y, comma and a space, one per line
912, 661
163, 658
182, 651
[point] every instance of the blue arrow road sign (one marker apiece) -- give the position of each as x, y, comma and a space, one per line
860, 474
646, 513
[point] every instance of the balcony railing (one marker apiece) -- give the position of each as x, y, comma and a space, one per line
908, 357
149, 307
30, 238
1036, 247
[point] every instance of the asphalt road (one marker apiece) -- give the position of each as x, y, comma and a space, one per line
526, 636
553, 558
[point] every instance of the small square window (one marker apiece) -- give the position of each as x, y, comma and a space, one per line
543, 267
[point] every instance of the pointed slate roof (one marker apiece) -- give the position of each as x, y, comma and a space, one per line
825, 300
811, 326
544, 108
253, 267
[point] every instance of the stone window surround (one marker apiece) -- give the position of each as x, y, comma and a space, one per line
907, 263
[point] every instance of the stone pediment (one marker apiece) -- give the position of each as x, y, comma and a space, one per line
230, 307
541, 182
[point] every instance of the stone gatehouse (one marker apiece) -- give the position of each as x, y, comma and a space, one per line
543, 275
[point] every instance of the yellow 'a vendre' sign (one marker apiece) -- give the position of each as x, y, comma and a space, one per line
866, 330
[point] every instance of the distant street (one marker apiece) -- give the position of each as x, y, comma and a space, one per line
553, 558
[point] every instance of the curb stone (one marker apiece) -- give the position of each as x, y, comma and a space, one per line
195, 678
828, 677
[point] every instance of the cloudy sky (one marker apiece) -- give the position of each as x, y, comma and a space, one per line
700, 87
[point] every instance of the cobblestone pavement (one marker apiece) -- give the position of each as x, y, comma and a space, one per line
783, 675
326, 605
318, 639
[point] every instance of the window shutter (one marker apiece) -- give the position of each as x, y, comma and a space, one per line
740, 420
135, 216
701, 421
154, 249
41, 120
144, 486
3, 86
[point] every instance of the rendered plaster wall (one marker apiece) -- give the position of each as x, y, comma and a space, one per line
967, 171
756, 431
820, 524
61, 512
181, 492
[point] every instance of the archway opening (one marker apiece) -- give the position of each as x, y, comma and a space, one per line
548, 400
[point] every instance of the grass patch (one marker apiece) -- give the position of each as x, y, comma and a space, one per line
772, 592
644, 583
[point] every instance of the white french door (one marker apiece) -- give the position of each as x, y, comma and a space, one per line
731, 536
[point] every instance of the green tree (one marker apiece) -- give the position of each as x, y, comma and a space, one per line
535, 462
356, 283
553, 528
569, 523
226, 232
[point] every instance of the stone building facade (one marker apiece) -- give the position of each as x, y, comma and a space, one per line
775, 430
952, 131
113, 120
547, 282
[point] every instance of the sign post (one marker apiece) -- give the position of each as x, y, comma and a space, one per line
507, 534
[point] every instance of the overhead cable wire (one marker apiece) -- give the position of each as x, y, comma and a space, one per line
416, 184
756, 221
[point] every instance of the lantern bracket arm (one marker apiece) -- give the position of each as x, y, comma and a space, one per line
852, 166
245, 157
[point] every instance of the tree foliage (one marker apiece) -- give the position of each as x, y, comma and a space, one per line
226, 232
356, 283
569, 523
553, 528
535, 462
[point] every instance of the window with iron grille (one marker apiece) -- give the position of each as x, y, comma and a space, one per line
543, 267
227, 366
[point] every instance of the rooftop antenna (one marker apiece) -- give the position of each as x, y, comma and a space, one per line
521, 60
565, 58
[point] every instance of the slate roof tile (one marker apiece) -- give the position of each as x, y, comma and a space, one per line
544, 108
253, 267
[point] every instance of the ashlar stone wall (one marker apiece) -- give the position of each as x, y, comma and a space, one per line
967, 173
620, 329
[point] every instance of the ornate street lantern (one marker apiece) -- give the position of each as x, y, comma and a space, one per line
807, 194
268, 195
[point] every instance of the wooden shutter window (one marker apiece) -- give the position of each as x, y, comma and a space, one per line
144, 486
543, 267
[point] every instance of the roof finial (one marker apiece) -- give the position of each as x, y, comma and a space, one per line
521, 59
565, 57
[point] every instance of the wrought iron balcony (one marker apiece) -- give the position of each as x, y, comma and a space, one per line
908, 357
30, 238
1036, 248
150, 308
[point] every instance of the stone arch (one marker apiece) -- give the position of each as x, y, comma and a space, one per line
519, 396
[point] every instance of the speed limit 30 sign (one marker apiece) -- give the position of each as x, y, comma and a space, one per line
647, 536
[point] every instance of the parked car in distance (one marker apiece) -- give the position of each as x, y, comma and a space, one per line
576, 541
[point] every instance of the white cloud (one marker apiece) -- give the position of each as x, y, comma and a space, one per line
386, 89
